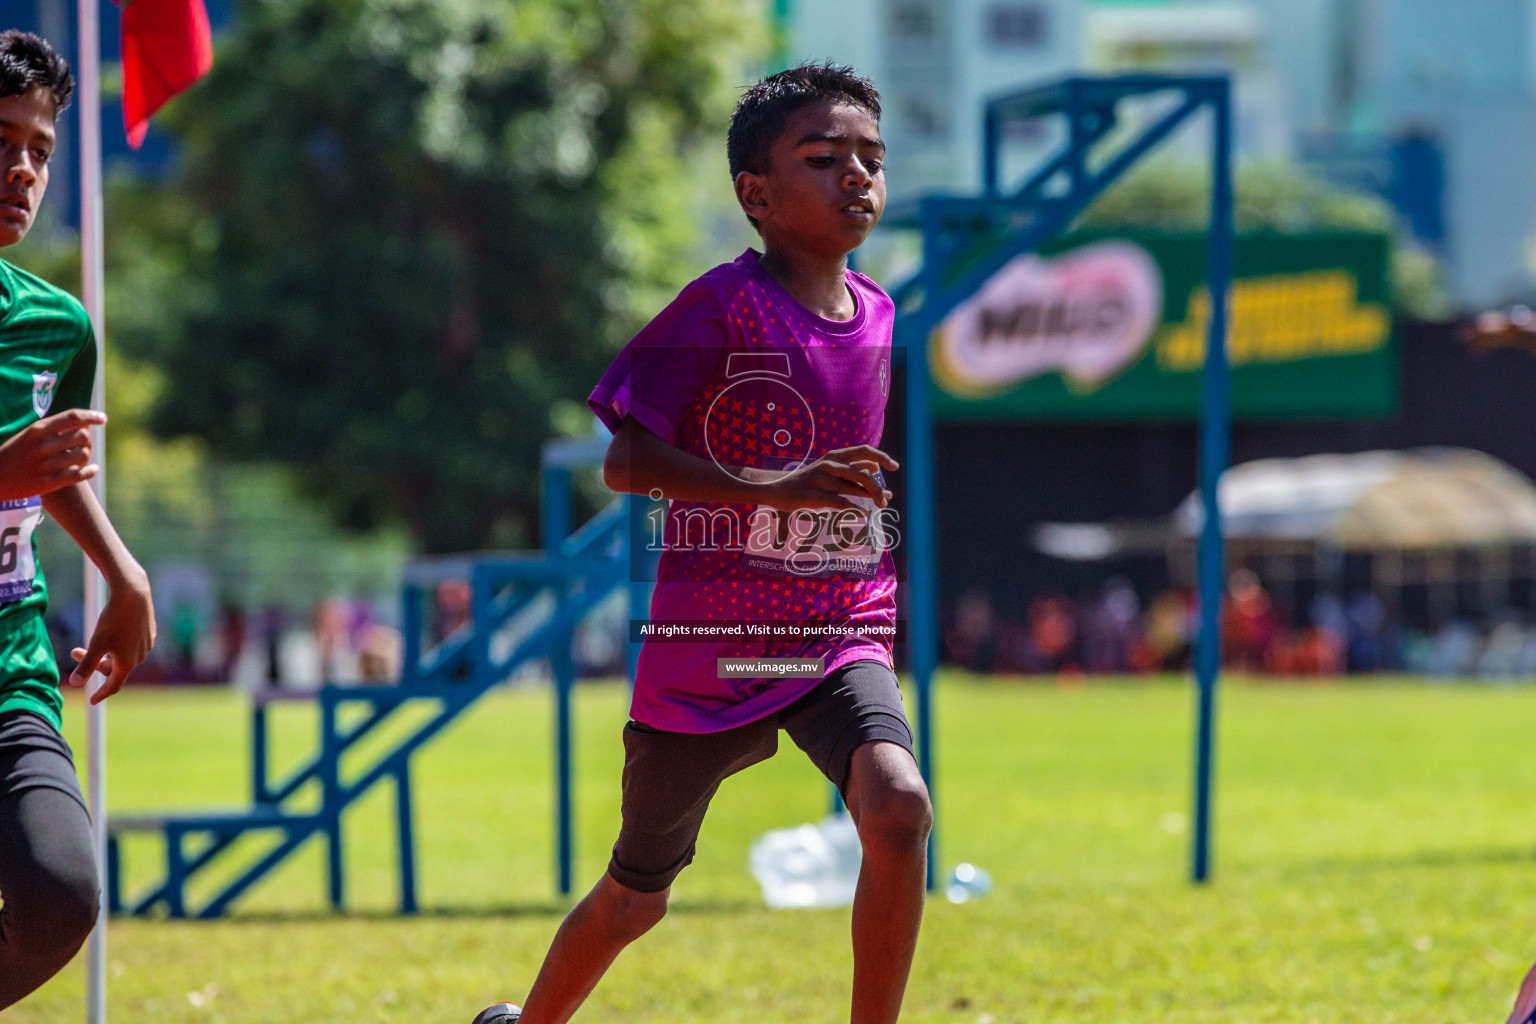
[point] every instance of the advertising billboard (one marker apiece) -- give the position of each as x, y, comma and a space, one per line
1113, 326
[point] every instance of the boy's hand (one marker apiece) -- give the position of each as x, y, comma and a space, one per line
51, 453
825, 482
123, 638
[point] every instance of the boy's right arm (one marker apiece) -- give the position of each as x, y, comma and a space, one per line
639, 462
50, 454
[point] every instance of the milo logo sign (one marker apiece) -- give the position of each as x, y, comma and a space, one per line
1115, 326
1087, 314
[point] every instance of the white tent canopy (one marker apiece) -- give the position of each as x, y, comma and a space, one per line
1414, 500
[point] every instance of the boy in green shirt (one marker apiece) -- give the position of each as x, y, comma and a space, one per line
48, 877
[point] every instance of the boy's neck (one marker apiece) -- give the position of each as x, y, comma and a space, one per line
818, 283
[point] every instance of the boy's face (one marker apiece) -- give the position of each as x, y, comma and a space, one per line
26, 143
824, 189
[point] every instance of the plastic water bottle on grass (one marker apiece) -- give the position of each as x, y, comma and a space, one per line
967, 882
810, 866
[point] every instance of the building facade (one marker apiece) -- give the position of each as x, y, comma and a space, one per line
1432, 104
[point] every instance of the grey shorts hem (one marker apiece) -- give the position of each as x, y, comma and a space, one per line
647, 883
876, 729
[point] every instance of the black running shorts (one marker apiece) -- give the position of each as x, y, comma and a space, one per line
670, 777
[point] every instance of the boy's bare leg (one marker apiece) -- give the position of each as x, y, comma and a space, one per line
592, 935
889, 804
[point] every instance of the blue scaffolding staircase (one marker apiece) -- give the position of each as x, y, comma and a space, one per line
524, 607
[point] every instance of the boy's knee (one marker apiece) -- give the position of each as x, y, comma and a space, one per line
48, 919
630, 914
67, 910
896, 815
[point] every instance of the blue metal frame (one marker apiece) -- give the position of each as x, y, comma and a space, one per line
577, 570
989, 231
1215, 437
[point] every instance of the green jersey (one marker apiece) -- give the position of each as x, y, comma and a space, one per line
47, 365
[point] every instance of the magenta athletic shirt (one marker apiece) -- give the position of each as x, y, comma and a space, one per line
737, 371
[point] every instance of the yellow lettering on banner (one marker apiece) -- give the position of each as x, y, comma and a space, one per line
1281, 318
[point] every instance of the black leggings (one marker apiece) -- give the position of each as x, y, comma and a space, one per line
47, 863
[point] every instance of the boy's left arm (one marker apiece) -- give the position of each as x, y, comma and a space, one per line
125, 632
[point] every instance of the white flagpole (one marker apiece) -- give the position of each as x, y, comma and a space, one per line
92, 276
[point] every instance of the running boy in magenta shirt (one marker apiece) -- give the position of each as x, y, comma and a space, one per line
754, 403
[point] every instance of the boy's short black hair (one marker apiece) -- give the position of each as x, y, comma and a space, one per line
765, 108
27, 62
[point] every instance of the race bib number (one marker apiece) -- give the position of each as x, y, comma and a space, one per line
18, 567
818, 542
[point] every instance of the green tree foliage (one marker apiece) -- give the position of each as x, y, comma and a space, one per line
247, 524
149, 478
418, 231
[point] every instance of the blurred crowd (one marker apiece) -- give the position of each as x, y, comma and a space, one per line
1116, 632
345, 640
336, 640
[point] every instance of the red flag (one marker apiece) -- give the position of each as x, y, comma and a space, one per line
167, 45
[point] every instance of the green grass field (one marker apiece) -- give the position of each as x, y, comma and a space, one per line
1375, 861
